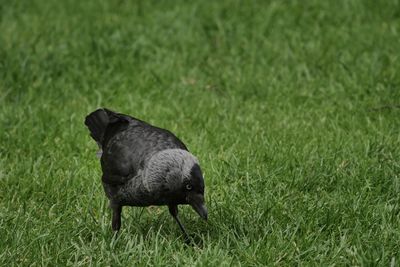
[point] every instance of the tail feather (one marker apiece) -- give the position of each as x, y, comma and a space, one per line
97, 122
104, 123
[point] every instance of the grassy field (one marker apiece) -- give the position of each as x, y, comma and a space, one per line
292, 107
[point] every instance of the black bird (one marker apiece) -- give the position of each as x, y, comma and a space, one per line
145, 165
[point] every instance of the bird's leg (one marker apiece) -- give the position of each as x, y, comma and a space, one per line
116, 217
173, 210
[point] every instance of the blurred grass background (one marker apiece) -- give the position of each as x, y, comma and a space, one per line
292, 108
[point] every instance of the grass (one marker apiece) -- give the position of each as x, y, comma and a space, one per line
292, 108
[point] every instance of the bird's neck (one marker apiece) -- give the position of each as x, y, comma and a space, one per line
166, 170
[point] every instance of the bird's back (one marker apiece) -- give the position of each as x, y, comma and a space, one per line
127, 143
128, 151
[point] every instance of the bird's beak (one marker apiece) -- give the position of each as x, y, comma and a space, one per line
196, 200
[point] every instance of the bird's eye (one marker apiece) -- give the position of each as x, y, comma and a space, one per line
188, 187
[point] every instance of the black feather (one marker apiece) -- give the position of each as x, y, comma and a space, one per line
97, 122
104, 124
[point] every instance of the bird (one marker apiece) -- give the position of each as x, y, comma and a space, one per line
144, 165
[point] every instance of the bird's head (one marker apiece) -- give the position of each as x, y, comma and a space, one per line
193, 188
176, 175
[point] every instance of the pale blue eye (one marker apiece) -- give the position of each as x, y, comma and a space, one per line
188, 187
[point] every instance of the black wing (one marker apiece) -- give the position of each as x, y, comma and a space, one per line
127, 143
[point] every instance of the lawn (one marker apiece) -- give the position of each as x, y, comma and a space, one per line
292, 107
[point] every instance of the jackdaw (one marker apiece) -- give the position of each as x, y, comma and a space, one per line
145, 165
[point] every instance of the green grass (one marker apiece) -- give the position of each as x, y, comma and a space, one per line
292, 108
